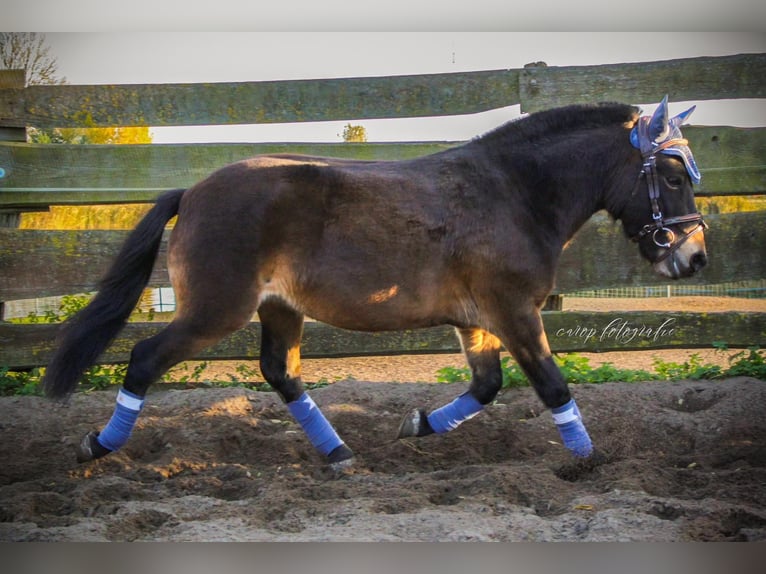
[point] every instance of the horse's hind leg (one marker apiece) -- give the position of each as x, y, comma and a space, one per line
149, 360
482, 350
281, 330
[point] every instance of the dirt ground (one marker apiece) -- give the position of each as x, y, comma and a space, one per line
678, 461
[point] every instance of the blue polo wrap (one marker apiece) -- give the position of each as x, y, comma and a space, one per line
569, 422
317, 428
449, 416
118, 429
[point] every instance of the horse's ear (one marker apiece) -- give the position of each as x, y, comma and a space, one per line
658, 125
682, 117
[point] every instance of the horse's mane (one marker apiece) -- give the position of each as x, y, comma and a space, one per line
555, 122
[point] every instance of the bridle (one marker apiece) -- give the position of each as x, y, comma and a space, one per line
661, 234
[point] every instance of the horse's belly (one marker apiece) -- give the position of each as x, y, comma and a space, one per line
381, 308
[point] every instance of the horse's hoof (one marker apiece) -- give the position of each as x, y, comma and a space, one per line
339, 467
415, 424
90, 449
339, 461
340, 454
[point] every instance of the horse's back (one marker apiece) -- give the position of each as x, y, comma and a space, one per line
363, 245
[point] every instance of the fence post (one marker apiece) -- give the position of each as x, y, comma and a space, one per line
10, 79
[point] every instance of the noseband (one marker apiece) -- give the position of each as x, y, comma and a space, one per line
661, 234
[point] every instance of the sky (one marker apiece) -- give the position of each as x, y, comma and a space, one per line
183, 57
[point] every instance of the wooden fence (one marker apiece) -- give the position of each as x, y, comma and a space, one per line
46, 263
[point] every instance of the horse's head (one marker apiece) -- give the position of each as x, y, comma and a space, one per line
661, 215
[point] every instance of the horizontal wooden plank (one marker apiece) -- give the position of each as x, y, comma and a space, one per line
26, 346
77, 175
739, 76
601, 257
258, 102
37, 263
733, 162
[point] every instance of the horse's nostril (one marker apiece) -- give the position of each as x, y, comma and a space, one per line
699, 260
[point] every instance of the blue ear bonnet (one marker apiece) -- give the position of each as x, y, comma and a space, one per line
662, 130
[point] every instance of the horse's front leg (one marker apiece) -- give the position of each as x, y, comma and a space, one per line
525, 338
482, 351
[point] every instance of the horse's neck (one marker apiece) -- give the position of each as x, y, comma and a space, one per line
564, 194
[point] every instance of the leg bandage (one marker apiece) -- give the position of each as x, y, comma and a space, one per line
118, 429
317, 428
449, 416
569, 422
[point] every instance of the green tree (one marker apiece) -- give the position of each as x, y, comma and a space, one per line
354, 134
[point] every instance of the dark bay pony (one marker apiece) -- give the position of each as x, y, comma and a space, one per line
469, 237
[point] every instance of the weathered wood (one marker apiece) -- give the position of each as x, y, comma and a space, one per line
10, 82
100, 174
733, 162
37, 263
645, 330
10, 217
259, 102
601, 257
740, 76
27, 346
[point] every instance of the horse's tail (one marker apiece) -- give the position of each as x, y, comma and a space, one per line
87, 334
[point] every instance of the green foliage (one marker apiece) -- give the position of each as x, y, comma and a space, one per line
68, 306
118, 216
72, 304
19, 382
730, 204
451, 374
354, 134
690, 369
577, 369
100, 377
749, 363
97, 377
194, 377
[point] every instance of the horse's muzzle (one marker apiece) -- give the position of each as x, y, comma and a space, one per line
681, 263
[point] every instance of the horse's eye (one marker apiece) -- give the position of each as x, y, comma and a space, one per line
674, 181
